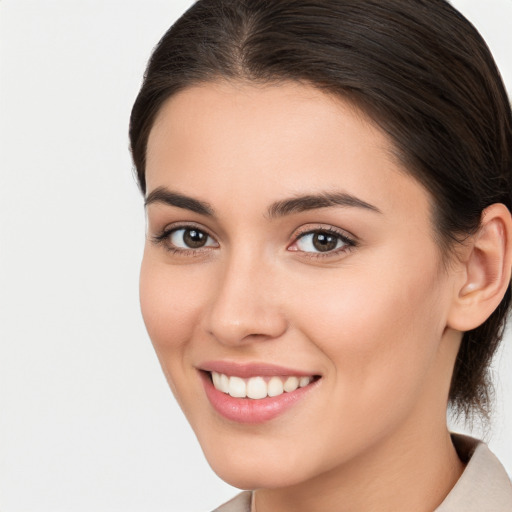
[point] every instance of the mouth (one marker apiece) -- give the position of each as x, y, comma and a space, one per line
255, 394
259, 387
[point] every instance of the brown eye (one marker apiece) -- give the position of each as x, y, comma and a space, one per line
194, 238
321, 242
190, 238
324, 242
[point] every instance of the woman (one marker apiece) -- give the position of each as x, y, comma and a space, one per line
328, 186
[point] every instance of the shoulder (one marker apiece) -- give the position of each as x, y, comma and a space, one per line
484, 485
240, 503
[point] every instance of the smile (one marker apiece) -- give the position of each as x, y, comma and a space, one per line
255, 393
257, 388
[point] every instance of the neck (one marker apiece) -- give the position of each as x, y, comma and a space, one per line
417, 476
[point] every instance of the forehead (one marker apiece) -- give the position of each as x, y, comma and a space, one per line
253, 114
262, 142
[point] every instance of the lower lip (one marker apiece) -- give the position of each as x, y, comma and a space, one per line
247, 410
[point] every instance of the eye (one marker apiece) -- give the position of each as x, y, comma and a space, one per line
184, 240
321, 241
190, 238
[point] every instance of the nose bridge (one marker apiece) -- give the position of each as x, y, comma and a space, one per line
245, 303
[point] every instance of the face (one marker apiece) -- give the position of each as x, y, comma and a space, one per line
291, 284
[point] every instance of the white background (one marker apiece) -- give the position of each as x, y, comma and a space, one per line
86, 419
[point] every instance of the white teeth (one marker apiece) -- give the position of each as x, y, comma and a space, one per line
291, 384
304, 381
224, 383
216, 380
257, 388
237, 387
275, 387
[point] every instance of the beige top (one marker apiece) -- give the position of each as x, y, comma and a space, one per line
483, 487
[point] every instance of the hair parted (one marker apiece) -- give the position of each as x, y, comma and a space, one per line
418, 68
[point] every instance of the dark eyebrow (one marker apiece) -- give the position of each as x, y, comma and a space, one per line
163, 195
314, 201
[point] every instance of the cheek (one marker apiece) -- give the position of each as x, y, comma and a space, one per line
170, 302
379, 327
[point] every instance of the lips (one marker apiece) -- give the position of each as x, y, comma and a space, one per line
254, 393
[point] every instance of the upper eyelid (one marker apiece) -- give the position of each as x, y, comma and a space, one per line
184, 225
308, 229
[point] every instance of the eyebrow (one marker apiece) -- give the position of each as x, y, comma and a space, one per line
278, 209
162, 195
315, 201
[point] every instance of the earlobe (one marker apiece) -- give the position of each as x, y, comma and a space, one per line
487, 270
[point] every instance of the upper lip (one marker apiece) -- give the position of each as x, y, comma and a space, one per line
248, 370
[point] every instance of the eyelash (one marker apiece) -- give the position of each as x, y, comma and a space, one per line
163, 239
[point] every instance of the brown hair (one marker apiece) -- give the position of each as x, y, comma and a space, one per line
417, 67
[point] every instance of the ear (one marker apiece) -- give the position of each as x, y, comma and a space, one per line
486, 270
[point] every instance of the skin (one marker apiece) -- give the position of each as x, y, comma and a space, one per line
373, 320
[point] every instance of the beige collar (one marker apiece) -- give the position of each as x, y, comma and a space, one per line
484, 485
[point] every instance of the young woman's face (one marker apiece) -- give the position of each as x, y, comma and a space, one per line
286, 247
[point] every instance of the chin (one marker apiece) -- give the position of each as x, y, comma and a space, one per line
262, 475
262, 465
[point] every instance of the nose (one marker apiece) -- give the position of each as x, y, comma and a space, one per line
245, 305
